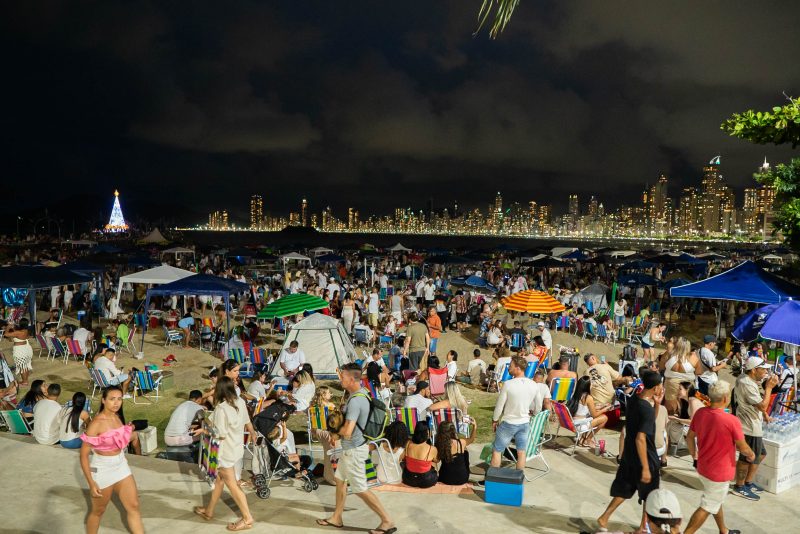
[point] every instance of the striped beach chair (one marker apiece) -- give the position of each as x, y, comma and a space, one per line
536, 438
565, 421
59, 349
74, 348
209, 458
408, 416
146, 386
561, 389
99, 380
454, 415
44, 346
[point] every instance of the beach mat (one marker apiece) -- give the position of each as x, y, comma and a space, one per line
465, 489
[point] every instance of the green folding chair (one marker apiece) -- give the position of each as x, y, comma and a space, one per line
15, 422
536, 439
146, 386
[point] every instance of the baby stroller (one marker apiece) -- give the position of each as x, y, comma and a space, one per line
272, 462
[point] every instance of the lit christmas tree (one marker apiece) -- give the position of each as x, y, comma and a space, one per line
117, 222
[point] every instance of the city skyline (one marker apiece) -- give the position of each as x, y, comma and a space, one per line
708, 210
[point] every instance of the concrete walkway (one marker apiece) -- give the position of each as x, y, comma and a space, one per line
45, 493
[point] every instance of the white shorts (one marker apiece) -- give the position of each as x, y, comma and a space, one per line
713, 494
108, 470
352, 468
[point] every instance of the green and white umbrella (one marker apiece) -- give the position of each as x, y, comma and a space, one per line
292, 305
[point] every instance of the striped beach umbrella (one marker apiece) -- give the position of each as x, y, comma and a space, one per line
532, 301
292, 305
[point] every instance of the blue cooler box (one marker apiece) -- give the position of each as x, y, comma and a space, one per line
504, 486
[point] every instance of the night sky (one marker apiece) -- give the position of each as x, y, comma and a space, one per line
192, 106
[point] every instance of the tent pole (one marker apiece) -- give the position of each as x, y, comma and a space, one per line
32, 308
719, 320
146, 318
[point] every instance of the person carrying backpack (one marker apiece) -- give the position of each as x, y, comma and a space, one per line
361, 420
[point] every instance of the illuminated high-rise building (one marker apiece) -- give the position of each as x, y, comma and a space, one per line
574, 213
655, 202
351, 218
544, 218
750, 210
710, 214
687, 212
256, 212
304, 212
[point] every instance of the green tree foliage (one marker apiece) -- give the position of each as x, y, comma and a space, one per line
779, 126
503, 9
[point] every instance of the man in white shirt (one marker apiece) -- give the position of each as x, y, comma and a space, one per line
546, 336
104, 361
373, 307
429, 291
383, 280
292, 359
179, 430
420, 400
333, 287
81, 335
512, 413
476, 369
708, 362
45, 417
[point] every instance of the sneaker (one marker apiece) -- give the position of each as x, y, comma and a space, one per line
744, 491
755, 488
734, 531
126, 396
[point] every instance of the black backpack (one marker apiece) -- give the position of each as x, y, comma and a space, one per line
629, 353
377, 420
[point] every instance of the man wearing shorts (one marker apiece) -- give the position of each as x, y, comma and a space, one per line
355, 452
751, 407
718, 435
512, 413
639, 467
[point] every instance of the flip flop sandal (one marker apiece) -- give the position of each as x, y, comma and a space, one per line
202, 513
239, 526
326, 523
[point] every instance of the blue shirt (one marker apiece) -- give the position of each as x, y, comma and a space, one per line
186, 322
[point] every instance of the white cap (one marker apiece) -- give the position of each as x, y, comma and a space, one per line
540, 324
663, 504
755, 363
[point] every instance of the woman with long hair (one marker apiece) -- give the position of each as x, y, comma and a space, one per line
348, 313
453, 454
303, 389
72, 421
229, 420
397, 436
22, 351
585, 412
107, 471
678, 368
453, 399
421, 455
35, 394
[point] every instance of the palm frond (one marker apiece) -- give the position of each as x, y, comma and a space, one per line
503, 9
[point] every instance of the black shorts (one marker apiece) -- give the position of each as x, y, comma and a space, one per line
757, 444
461, 317
628, 481
420, 301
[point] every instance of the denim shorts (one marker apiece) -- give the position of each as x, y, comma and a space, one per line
506, 432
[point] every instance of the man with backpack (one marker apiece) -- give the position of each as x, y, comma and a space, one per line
364, 418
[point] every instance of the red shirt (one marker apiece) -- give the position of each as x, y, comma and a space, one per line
716, 452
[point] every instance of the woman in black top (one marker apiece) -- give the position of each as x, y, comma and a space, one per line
453, 454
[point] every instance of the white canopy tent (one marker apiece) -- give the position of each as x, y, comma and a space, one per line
319, 251
293, 256
399, 248
154, 237
162, 274
177, 251
324, 342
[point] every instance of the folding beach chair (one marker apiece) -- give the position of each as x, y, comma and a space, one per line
140, 320
536, 438
579, 328
147, 386
316, 419
517, 341
437, 378
209, 458
44, 346
602, 333
361, 337
99, 380
129, 343
59, 349
74, 348
561, 389
260, 358
565, 421
497, 377
454, 415
624, 332
562, 323
15, 422
245, 366
589, 331
171, 336
408, 416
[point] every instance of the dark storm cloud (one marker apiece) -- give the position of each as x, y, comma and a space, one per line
360, 102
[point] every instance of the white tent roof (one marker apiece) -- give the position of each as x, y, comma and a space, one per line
294, 256
324, 342
178, 250
163, 274
398, 247
557, 252
154, 237
319, 251
622, 253
88, 242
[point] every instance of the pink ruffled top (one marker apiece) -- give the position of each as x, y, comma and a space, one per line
110, 440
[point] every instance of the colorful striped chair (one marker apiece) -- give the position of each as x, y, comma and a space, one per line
536, 438
145, 385
561, 389
75, 349
565, 421
44, 345
209, 458
408, 416
59, 349
99, 380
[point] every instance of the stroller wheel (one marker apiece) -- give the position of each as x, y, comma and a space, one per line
259, 480
308, 486
263, 493
314, 484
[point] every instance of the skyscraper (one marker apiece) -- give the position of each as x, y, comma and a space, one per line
574, 213
687, 212
710, 214
256, 212
304, 212
656, 206
498, 211
750, 210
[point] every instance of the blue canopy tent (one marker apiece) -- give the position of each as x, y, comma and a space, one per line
330, 258
744, 283
21, 282
475, 282
199, 285
575, 255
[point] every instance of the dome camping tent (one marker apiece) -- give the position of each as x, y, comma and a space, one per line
324, 342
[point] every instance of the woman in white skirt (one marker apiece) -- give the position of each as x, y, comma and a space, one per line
106, 469
229, 420
22, 351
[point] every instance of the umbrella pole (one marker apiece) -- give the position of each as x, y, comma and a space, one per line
719, 320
